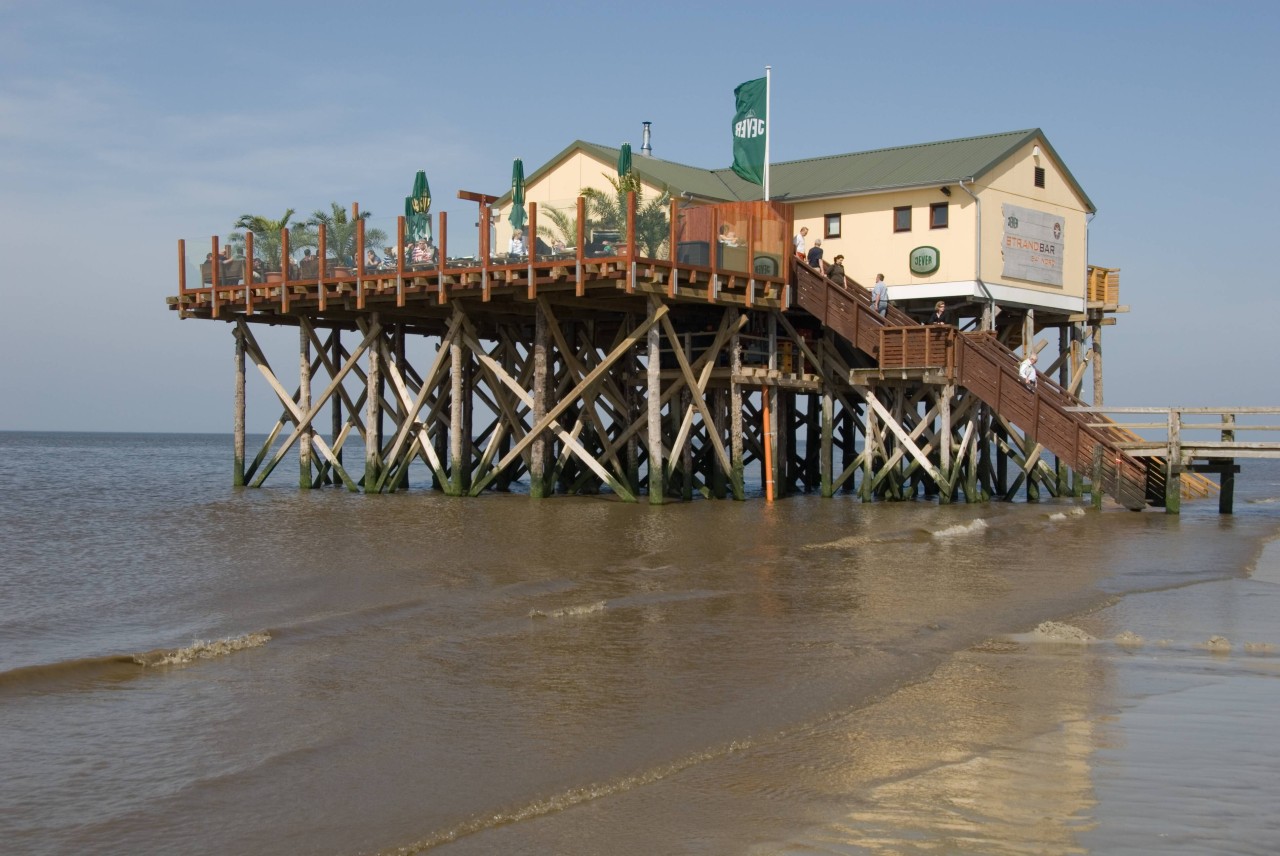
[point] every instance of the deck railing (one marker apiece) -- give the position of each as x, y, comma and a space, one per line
754, 263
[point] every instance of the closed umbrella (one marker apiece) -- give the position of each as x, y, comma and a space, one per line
624, 160
417, 208
517, 217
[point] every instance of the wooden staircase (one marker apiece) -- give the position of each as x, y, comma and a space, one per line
979, 363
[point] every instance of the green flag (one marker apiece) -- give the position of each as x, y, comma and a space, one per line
748, 130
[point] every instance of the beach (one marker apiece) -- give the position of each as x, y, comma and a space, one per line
189, 668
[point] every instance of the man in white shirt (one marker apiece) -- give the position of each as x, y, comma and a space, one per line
799, 240
1027, 372
517, 247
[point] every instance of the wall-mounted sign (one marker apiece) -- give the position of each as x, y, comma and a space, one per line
1032, 244
925, 260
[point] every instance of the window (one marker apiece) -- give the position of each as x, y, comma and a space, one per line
832, 225
938, 214
1039, 176
902, 219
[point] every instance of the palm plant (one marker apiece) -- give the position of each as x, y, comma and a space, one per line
340, 232
266, 236
609, 211
565, 223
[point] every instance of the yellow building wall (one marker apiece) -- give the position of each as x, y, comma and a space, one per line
1013, 181
559, 187
870, 246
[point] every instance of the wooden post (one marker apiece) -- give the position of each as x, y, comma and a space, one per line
1064, 380
336, 423
486, 217
531, 250
738, 476
870, 444
945, 490
455, 487
1095, 482
1227, 478
672, 238
631, 241
826, 461
1173, 465
538, 450
373, 415
322, 250
237, 474
400, 226
580, 287
441, 255
766, 441
182, 269
304, 402
1097, 363
657, 487
248, 273
215, 278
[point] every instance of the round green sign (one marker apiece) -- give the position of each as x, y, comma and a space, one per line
925, 260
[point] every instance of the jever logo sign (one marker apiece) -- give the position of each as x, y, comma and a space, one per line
749, 120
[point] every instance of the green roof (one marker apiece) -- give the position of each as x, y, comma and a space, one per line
921, 165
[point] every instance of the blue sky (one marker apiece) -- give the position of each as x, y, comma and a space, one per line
125, 126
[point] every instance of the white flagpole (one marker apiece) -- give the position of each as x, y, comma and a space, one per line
768, 123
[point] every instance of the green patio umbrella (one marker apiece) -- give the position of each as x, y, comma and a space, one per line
417, 209
624, 160
517, 217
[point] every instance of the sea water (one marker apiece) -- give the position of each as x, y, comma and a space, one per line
190, 668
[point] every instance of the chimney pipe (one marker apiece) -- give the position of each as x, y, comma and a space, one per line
645, 148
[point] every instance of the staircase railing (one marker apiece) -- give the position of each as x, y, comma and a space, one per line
989, 370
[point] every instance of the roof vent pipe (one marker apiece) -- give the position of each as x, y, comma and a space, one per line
645, 148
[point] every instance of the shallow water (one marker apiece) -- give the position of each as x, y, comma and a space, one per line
410, 672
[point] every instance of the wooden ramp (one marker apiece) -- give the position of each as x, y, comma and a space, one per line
989, 370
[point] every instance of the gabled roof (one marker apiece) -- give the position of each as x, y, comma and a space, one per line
922, 165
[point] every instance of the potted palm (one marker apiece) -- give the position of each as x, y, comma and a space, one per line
266, 232
340, 235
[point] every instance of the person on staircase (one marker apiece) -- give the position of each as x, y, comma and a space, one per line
1027, 371
880, 296
836, 272
815, 254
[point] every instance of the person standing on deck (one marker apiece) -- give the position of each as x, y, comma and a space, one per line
880, 296
799, 241
939, 315
1027, 371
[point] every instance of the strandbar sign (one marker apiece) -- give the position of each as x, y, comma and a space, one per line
1032, 245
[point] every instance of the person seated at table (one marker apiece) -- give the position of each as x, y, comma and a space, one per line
421, 253
308, 265
557, 246
517, 246
371, 261
728, 237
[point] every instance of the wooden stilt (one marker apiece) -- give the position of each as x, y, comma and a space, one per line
373, 415
657, 482
237, 473
304, 402
538, 451
737, 467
